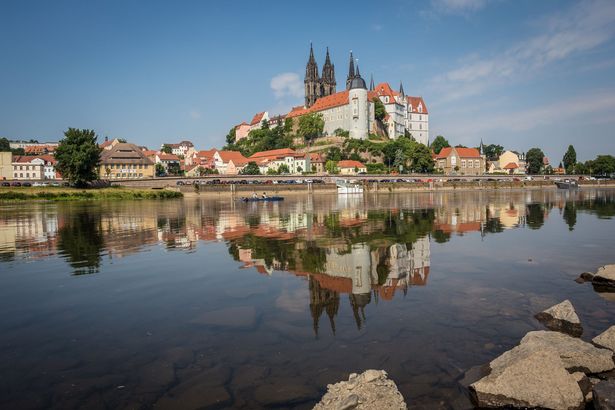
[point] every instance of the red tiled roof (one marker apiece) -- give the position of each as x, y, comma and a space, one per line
275, 153
317, 157
24, 158
235, 156
384, 89
297, 111
206, 154
414, 103
348, 163
257, 118
461, 152
330, 101
511, 165
168, 157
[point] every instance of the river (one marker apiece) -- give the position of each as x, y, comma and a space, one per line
207, 302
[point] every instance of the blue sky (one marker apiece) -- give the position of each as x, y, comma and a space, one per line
518, 73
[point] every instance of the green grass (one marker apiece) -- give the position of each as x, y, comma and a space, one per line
73, 194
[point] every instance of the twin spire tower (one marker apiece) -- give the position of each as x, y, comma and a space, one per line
321, 86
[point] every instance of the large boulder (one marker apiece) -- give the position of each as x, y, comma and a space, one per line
561, 318
606, 339
604, 279
370, 390
576, 354
525, 377
604, 395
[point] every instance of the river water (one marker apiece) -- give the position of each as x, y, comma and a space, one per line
207, 302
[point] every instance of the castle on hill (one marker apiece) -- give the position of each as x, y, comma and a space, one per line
353, 109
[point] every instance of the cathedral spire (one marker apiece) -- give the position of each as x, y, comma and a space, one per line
312, 80
328, 77
351, 73
401, 90
371, 82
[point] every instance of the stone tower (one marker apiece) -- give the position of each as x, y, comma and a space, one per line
350, 72
312, 80
357, 96
328, 77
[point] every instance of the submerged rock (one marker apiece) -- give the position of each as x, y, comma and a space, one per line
586, 277
562, 318
604, 280
604, 395
524, 377
370, 390
576, 354
606, 339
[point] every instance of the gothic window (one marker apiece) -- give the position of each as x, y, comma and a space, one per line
355, 107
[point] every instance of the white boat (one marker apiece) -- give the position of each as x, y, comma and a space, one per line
348, 187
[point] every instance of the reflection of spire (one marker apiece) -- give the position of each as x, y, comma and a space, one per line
322, 300
358, 303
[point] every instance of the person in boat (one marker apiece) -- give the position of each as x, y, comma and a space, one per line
254, 195
265, 195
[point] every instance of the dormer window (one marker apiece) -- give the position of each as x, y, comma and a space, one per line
420, 107
386, 100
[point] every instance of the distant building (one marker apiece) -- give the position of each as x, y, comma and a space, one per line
24, 144
273, 159
257, 120
229, 162
125, 161
166, 159
108, 144
509, 162
317, 163
460, 161
180, 148
350, 167
241, 131
28, 168
6, 165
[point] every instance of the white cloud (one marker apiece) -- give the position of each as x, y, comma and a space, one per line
462, 7
287, 85
583, 27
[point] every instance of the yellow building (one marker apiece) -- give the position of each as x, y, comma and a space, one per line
6, 165
125, 161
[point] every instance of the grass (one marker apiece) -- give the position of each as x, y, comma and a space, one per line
74, 194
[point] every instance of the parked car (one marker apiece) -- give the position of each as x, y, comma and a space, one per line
5, 183
178, 183
16, 183
28, 184
55, 184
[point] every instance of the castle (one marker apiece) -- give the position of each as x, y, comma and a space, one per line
353, 109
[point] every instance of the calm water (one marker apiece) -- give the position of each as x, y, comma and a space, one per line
202, 302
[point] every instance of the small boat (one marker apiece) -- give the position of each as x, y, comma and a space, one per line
567, 184
261, 199
348, 187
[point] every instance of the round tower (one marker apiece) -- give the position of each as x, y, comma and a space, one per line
359, 107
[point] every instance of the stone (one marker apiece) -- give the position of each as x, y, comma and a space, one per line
528, 378
586, 276
576, 354
604, 395
583, 381
606, 339
474, 374
561, 318
371, 390
604, 279
241, 316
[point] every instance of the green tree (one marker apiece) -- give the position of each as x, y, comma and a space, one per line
603, 165
230, 137
289, 123
251, 169
271, 171
283, 169
334, 154
534, 159
160, 170
438, 143
78, 156
166, 149
5, 145
200, 171
173, 168
570, 159
311, 127
492, 151
341, 133
331, 167
379, 110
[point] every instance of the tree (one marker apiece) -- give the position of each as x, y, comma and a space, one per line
5, 145
331, 167
341, 133
570, 159
160, 170
311, 126
379, 110
200, 171
173, 168
334, 154
283, 169
251, 169
534, 159
289, 123
166, 149
122, 140
230, 137
603, 165
78, 156
438, 143
492, 151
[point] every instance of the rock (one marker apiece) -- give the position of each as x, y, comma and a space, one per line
474, 374
604, 395
586, 276
604, 279
583, 381
562, 318
528, 378
575, 353
370, 390
606, 339
610, 296
243, 316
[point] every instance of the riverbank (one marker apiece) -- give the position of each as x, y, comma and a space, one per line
18, 194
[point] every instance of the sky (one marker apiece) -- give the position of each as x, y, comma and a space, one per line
519, 73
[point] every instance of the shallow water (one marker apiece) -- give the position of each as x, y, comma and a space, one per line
206, 302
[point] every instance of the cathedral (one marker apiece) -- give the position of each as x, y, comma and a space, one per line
318, 86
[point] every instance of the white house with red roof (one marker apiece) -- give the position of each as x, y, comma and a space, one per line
460, 161
273, 159
257, 120
229, 162
166, 159
180, 148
